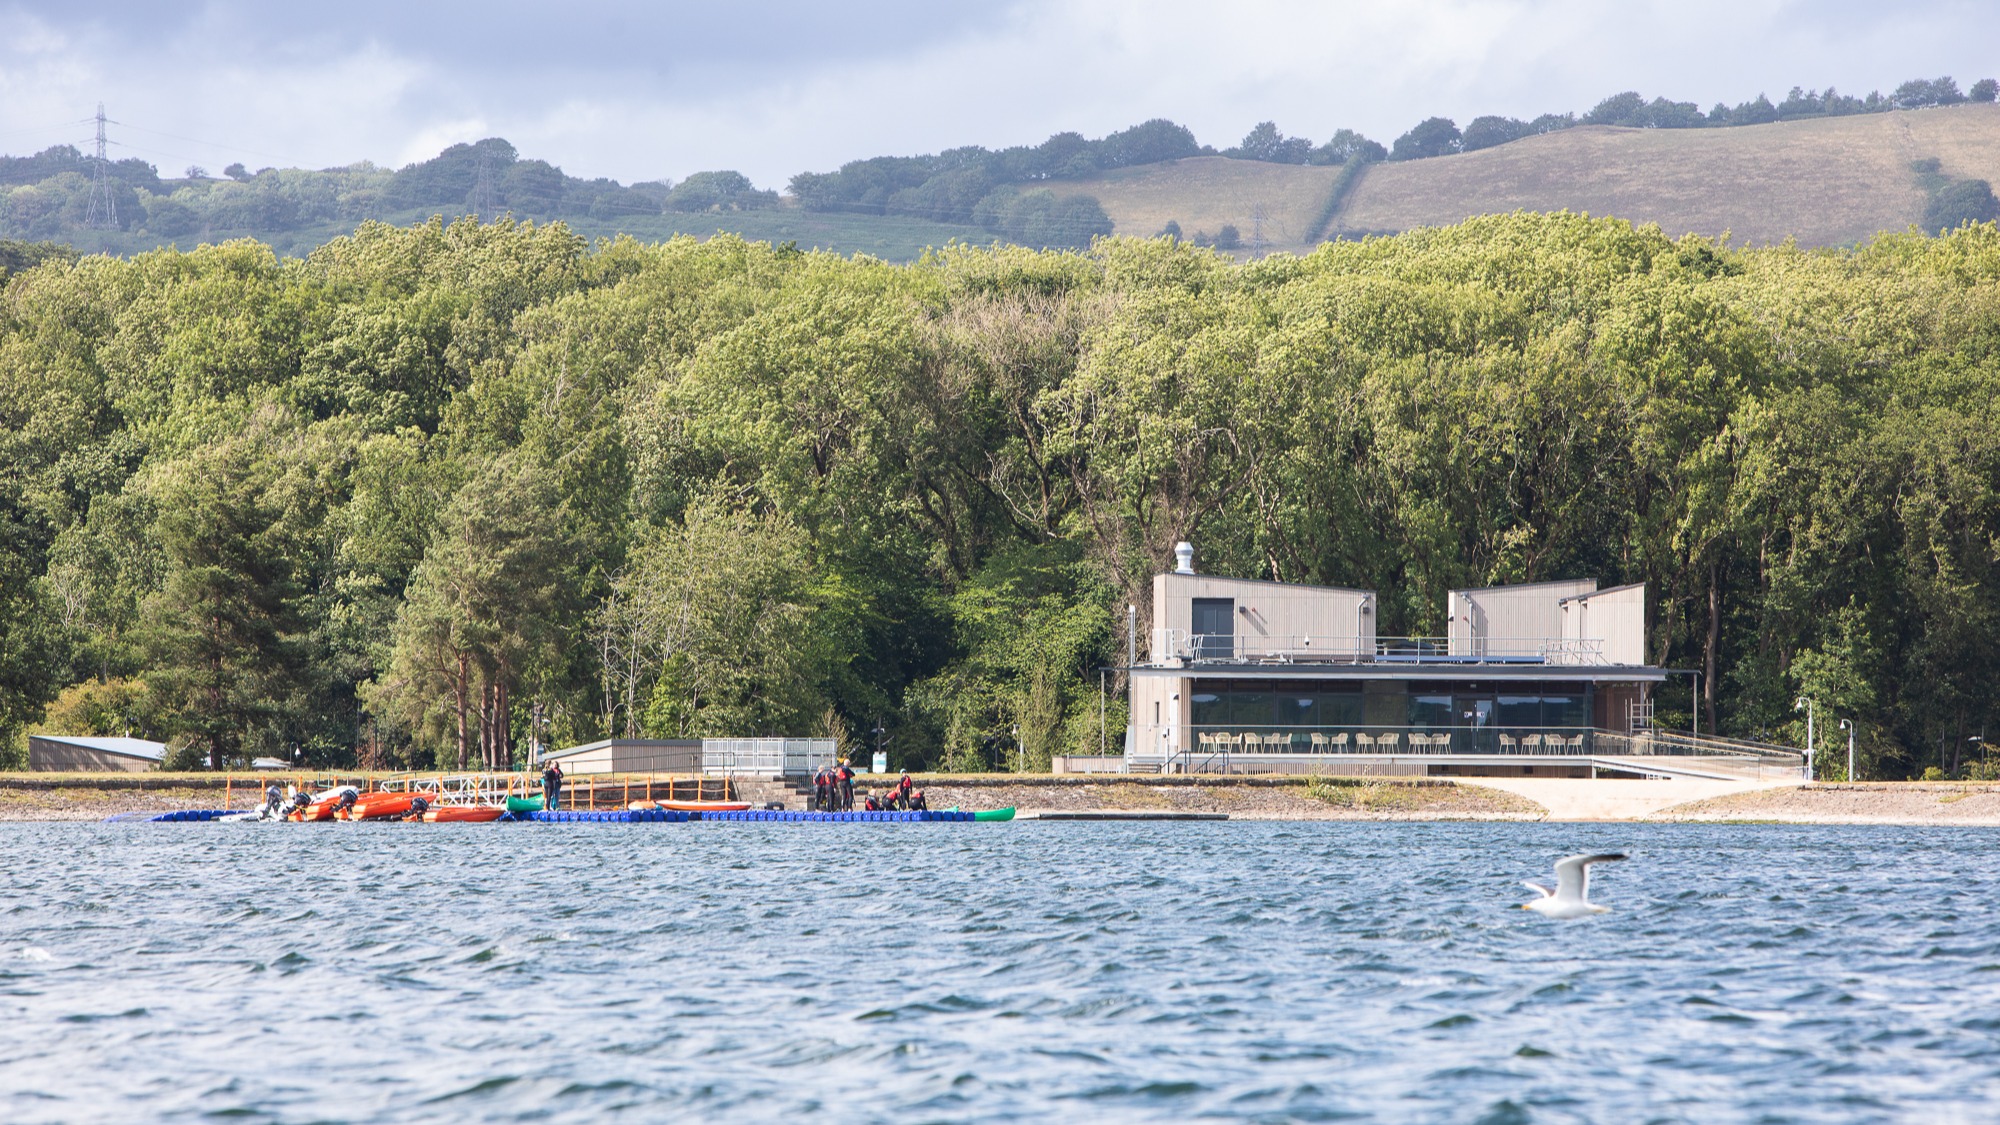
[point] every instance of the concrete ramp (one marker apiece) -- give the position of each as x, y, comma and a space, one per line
1709, 768
1571, 798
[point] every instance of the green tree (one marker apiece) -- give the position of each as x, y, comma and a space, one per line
718, 191
720, 612
1433, 136
484, 612
1961, 202
223, 635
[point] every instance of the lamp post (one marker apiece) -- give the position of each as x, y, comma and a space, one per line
1981, 740
1812, 748
1848, 726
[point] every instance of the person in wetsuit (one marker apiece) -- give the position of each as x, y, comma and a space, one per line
845, 776
552, 783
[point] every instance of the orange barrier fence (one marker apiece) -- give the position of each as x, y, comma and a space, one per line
496, 788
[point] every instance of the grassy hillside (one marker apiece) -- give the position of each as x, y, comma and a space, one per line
1206, 192
1826, 182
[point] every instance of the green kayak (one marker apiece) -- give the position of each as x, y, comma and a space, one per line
524, 804
994, 814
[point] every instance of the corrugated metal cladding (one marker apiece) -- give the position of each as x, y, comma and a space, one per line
51, 753
631, 755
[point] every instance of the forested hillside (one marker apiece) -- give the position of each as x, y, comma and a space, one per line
388, 501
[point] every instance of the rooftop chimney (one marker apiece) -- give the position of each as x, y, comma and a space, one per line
1184, 557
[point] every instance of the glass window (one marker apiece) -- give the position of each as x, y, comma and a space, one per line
1341, 709
1299, 709
1250, 707
1563, 711
1207, 709
1430, 711
1518, 711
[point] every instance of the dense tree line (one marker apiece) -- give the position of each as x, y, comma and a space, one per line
384, 501
1440, 136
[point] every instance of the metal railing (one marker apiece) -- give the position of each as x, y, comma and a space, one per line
1216, 746
1682, 744
1243, 739
766, 757
1171, 645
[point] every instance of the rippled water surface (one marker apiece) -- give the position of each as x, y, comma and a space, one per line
1270, 972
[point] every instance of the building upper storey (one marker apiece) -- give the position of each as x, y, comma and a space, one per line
1207, 619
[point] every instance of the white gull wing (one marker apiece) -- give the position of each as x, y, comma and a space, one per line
1573, 875
1538, 888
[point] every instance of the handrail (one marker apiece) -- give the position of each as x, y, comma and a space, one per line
1435, 739
1239, 648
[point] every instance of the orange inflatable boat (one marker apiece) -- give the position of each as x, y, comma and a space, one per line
381, 804
450, 814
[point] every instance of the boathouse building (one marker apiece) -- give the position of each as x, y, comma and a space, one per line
1242, 674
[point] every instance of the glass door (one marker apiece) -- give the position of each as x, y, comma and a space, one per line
1214, 628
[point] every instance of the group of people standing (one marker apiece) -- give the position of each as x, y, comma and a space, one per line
833, 788
833, 791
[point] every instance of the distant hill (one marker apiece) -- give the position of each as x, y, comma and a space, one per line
1826, 181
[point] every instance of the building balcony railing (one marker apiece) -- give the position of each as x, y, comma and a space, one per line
1485, 740
1239, 739
1178, 647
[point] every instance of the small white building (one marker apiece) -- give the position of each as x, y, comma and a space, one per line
630, 755
66, 753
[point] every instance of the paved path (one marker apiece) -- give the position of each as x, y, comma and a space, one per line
1570, 798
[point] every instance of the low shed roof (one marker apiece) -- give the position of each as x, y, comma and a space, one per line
124, 747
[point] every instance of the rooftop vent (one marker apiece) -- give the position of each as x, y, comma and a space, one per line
1183, 557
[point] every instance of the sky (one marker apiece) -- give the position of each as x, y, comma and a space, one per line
656, 90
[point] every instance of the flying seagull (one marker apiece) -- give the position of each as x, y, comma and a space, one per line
1571, 898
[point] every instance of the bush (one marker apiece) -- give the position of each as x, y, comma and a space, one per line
718, 191
1486, 132
1348, 145
1434, 136
1959, 203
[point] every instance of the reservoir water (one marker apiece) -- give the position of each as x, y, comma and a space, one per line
1255, 971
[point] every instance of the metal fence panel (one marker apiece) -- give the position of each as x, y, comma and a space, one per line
765, 757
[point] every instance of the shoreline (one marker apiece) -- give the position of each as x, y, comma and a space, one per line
72, 798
